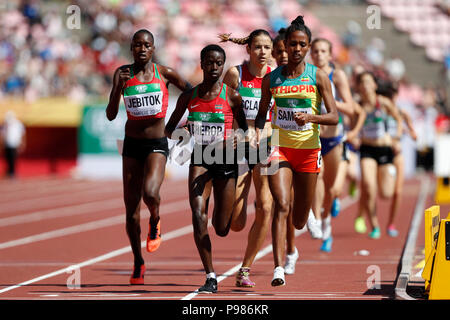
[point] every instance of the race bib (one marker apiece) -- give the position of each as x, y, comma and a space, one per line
206, 127
250, 100
285, 118
143, 100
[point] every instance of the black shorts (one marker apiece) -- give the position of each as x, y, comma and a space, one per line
141, 148
345, 156
382, 155
222, 169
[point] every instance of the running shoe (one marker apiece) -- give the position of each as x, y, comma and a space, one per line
392, 231
210, 286
291, 260
335, 207
326, 244
278, 277
137, 278
375, 233
314, 226
326, 227
243, 278
154, 236
360, 225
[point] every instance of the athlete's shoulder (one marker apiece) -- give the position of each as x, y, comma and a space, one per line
274, 75
232, 94
188, 94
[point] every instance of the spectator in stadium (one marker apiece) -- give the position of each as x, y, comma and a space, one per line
13, 141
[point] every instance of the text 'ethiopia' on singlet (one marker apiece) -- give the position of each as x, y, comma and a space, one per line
291, 96
146, 100
210, 120
250, 91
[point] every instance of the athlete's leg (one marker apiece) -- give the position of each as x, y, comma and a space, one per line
339, 183
304, 188
133, 172
199, 191
319, 196
368, 190
352, 174
155, 166
224, 190
239, 217
280, 185
386, 180
396, 198
290, 231
331, 165
263, 215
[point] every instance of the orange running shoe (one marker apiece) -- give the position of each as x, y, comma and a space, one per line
138, 278
154, 237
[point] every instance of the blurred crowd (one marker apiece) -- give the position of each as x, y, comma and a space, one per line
40, 56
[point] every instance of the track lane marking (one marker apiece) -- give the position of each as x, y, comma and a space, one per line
346, 202
93, 225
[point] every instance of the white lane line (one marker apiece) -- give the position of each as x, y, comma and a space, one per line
167, 236
408, 252
261, 253
70, 210
38, 190
164, 209
55, 200
347, 201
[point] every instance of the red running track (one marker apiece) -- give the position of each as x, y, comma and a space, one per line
49, 224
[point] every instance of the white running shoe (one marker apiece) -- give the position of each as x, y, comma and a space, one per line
291, 259
314, 226
278, 277
326, 227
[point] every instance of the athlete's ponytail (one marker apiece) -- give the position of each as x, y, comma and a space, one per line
298, 25
224, 37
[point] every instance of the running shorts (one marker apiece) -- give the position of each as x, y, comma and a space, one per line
141, 148
301, 160
222, 169
382, 155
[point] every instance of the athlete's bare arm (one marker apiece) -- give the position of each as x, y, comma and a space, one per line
264, 104
235, 101
231, 78
173, 77
360, 115
121, 76
331, 117
343, 88
178, 113
409, 124
393, 111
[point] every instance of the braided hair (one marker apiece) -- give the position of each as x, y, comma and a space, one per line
298, 25
224, 37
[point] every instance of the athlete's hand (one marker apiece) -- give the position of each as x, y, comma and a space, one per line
124, 76
301, 118
352, 137
396, 146
255, 139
